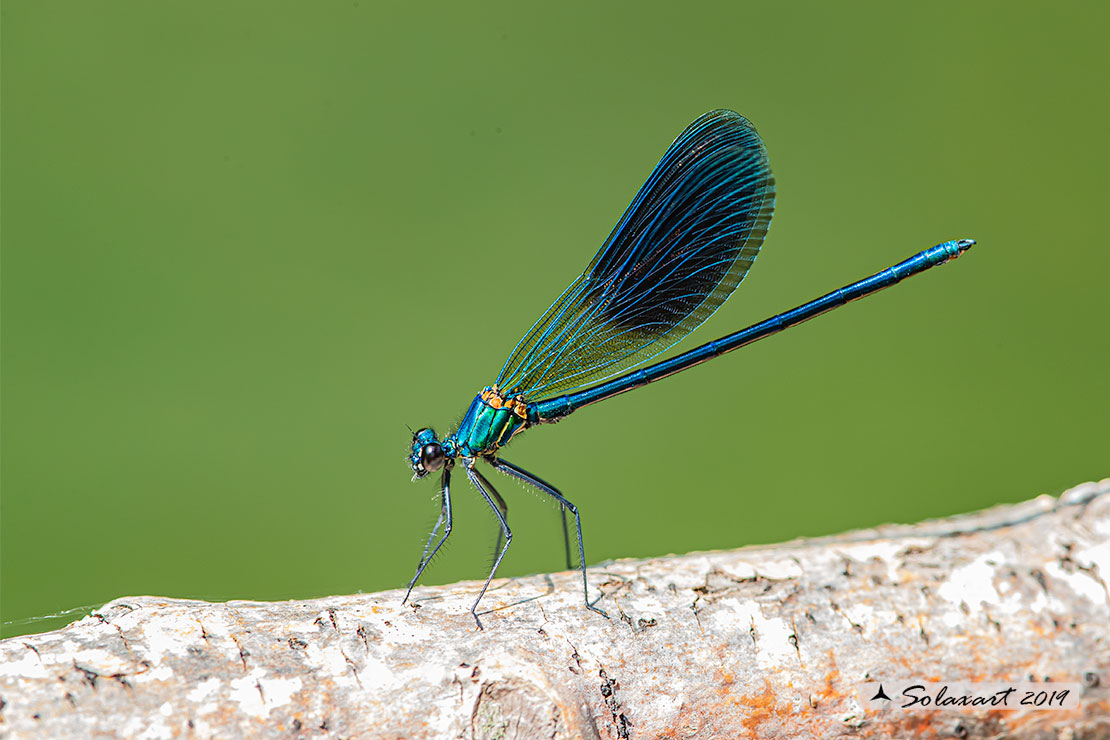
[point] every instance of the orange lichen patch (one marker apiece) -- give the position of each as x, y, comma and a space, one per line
831, 677
762, 708
725, 680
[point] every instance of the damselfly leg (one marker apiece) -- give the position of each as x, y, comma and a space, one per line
504, 514
508, 468
444, 516
566, 536
488, 492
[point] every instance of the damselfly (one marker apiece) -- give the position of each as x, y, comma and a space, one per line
683, 245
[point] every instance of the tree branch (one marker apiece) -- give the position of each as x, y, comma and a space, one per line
758, 642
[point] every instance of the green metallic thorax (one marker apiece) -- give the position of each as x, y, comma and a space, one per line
484, 428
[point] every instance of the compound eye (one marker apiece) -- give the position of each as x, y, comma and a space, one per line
431, 456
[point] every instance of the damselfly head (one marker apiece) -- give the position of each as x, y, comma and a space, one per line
427, 453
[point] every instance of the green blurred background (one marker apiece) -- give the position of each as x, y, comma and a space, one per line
244, 244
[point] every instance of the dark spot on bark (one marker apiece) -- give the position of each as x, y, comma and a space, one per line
296, 644
959, 730
88, 675
609, 691
1090, 679
367, 635
296, 724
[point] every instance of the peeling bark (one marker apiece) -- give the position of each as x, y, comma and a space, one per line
758, 642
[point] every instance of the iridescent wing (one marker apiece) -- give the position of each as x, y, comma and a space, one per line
683, 245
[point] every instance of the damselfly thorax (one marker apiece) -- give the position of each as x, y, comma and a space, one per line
491, 422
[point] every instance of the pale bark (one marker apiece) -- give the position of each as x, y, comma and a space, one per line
759, 642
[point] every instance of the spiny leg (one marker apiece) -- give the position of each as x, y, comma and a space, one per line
562, 513
509, 469
484, 487
566, 536
435, 531
444, 515
504, 515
